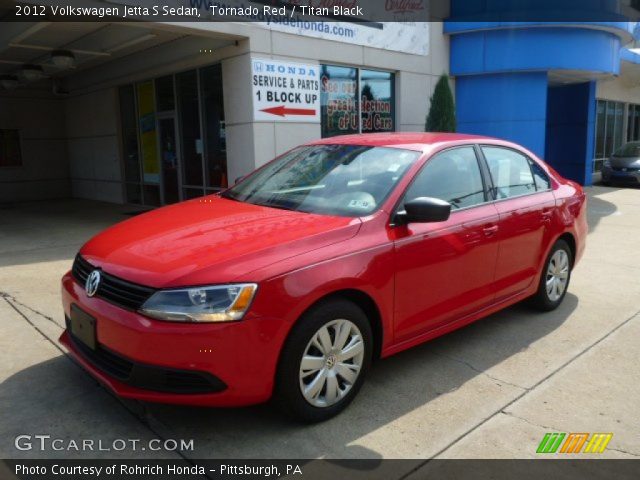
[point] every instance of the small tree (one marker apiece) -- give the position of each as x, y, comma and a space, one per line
442, 113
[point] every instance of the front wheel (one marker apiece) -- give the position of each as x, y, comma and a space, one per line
324, 361
555, 277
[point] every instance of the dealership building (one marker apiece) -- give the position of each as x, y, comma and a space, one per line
156, 112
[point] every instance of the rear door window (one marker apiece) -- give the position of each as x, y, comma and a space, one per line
510, 172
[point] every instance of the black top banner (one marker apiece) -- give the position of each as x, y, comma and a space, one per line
293, 12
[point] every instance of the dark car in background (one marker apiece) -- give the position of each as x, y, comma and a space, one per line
623, 166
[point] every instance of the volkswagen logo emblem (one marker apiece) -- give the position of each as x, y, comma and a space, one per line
92, 283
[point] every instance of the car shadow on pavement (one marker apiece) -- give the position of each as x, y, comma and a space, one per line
599, 208
410, 406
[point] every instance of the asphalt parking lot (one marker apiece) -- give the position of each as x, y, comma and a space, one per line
491, 390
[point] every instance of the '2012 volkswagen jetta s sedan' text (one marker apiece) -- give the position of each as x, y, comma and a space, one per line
338, 252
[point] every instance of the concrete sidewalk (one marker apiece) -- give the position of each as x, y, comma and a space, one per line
491, 390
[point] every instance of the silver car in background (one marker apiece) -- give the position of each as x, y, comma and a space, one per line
623, 166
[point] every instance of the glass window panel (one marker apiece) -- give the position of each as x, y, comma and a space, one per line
10, 153
187, 90
148, 133
214, 126
540, 177
510, 172
338, 100
635, 133
129, 134
618, 138
600, 128
453, 176
164, 93
169, 160
377, 101
611, 120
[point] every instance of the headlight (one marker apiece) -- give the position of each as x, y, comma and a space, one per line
221, 303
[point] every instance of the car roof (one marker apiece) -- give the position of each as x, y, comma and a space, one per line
409, 140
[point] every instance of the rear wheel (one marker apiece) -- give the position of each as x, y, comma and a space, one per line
555, 277
324, 361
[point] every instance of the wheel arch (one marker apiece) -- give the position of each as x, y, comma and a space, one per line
571, 241
368, 306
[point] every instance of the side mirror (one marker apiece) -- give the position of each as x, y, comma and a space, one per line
424, 210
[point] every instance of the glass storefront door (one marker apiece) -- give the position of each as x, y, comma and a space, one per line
173, 137
169, 158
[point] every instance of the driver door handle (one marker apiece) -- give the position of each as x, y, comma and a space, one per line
490, 230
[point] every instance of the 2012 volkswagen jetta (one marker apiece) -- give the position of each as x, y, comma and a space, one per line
338, 252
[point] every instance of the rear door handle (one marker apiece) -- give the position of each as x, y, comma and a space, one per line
490, 230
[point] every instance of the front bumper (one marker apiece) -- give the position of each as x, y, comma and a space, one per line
629, 177
238, 359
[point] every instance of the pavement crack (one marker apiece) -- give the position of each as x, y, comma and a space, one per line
545, 427
554, 429
140, 418
499, 381
626, 452
37, 329
10, 298
524, 393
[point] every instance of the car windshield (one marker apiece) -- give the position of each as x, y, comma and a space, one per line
345, 180
628, 150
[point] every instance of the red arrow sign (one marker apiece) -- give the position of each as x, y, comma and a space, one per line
282, 111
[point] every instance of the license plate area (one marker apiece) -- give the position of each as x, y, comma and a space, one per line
83, 326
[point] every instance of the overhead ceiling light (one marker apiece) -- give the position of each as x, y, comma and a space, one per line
32, 73
63, 58
9, 82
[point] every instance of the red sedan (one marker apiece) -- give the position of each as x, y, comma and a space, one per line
334, 254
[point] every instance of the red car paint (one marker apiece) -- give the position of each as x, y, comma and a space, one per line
483, 258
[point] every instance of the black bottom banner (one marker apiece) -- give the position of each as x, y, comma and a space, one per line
48, 469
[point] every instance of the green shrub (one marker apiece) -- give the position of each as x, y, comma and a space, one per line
442, 113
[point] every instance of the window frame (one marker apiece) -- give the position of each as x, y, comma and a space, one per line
481, 167
394, 93
487, 180
529, 162
532, 162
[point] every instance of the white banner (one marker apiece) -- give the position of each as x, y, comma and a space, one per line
409, 37
405, 34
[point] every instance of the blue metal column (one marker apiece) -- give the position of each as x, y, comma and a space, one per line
503, 72
571, 112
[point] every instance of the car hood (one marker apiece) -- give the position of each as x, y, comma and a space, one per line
210, 240
624, 162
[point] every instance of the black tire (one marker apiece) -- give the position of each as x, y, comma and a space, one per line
288, 395
541, 300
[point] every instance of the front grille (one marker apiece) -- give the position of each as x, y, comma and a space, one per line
148, 377
112, 289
